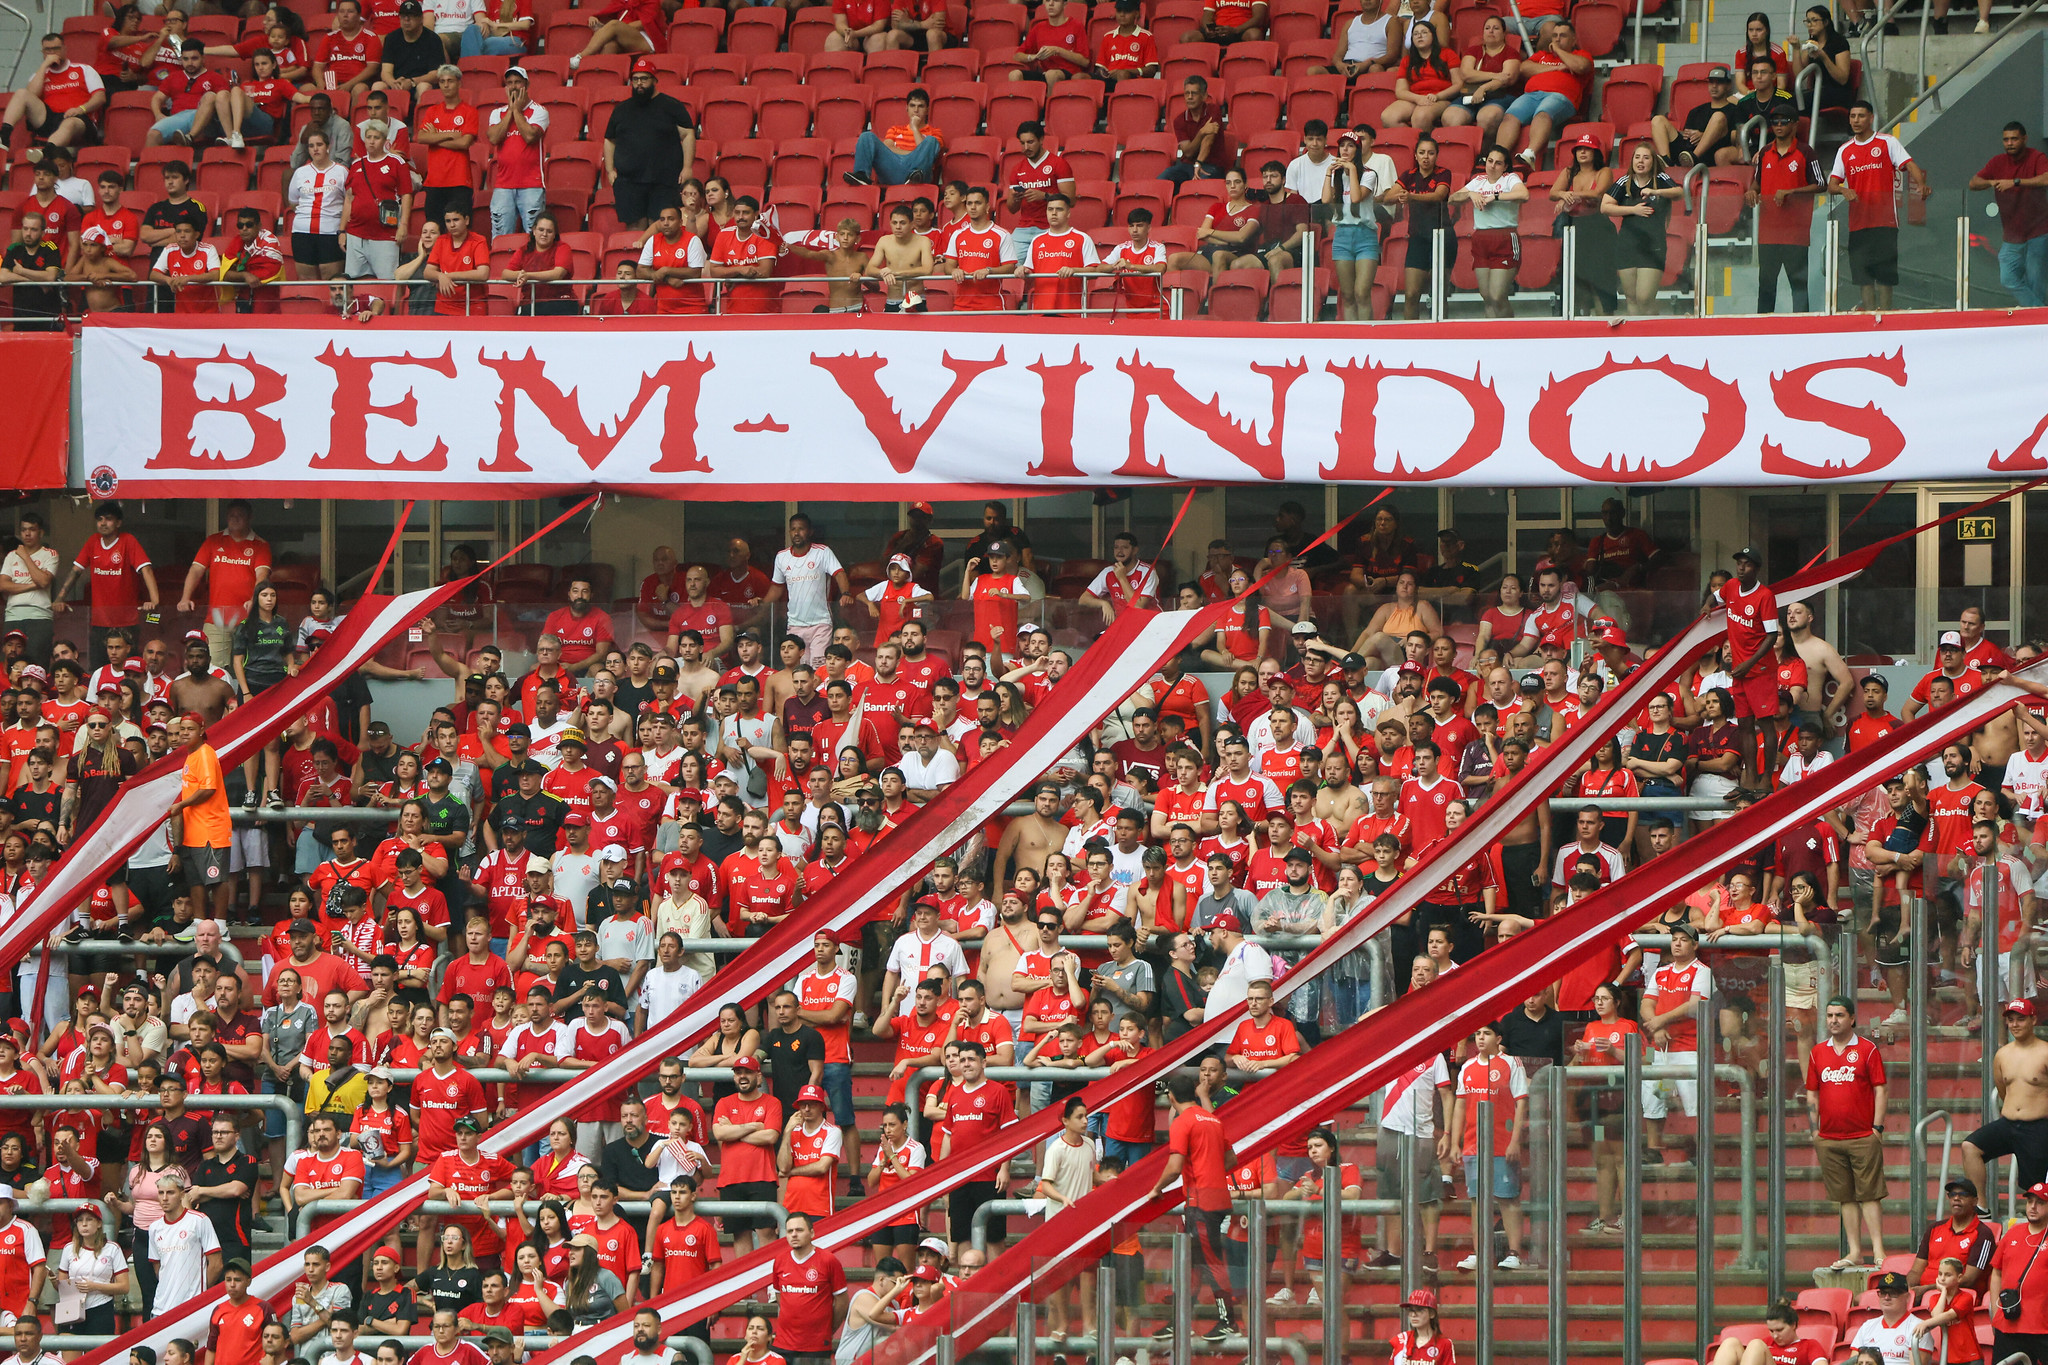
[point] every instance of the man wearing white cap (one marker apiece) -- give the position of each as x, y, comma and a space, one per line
892, 599
1955, 666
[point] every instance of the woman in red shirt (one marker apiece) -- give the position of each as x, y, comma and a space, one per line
1244, 641
996, 594
1426, 87
1324, 1154
1608, 778
1501, 625
1604, 1043
1231, 839
554, 1175
535, 268
122, 58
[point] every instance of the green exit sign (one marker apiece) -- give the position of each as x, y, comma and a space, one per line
1976, 528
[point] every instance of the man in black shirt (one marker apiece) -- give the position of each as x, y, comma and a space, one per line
648, 142
624, 1160
505, 777
414, 53
1708, 134
795, 1051
724, 839
33, 266
541, 813
1452, 570
585, 974
223, 1184
394, 1309
377, 760
1764, 96
1534, 1031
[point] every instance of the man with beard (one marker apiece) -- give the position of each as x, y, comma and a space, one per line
648, 141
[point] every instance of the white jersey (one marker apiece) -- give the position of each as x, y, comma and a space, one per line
1894, 1343
1408, 1102
807, 578
2027, 779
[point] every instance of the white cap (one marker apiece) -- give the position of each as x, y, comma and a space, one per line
937, 1244
611, 853
1951, 637
536, 863
1028, 628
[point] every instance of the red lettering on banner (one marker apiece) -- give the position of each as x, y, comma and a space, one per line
2025, 457
180, 408
1550, 422
1056, 417
1358, 424
1867, 423
348, 425
1156, 381
682, 379
855, 375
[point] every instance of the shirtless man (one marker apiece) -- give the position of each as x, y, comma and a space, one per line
199, 688
694, 678
1030, 837
2020, 1071
899, 260
1823, 665
1001, 951
1339, 800
843, 263
1525, 848
779, 686
101, 270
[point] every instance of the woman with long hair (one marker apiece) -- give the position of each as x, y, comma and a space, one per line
530, 1282
1233, 839
97, 1269
315, 199
850, 774
1242, 643
759, 1346
1806, 909
1495, 192
1578, 194
1287, 589
1351, 977
591, 1293
1501, 626
1246, 701
1640, 205
1425, 203
1826, 46
1323, 1155
1012, 707
262, 645
1346, 731
1385, 634
138, 1201
554, 1174
537, 267
1492, 73
1604, 1043
1609, 779
455, 1281
1426, 87
550, 1239
1715, 748
731, 1037
1757, 44
410, 947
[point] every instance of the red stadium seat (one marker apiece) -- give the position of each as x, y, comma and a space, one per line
1628, 95
756, 30
1071, 110
1245, 61
1145, 156
1092, 155
1135, 107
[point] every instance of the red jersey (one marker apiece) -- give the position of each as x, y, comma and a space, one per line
804, 1290
1872, 169
1044, 174
468, 1181
972, 248
1752, 616
753, 249
1500, 1079
115, 566
685, 1251
742, 1163
437, 1101
1846, 1080
1052, 252
1198, 1136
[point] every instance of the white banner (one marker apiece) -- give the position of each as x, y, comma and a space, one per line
951, 407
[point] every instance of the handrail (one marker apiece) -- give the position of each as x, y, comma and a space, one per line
1933, 91
1636, 51
699, 1353
1918, 1200
1297, 1208
1751, 150
294, 1111
1875, 33
1809, 100
1698, 171
714, 1208
1521, 24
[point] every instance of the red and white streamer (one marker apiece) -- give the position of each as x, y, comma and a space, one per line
1126, 655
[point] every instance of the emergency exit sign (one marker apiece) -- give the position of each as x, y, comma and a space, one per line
1976, 528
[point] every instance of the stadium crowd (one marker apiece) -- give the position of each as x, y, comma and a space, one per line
561, 847
642, 158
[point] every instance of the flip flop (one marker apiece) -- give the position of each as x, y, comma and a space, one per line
1845, 1264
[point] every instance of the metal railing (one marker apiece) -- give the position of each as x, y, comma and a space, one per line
1933, 92
536, 1342
636, 1208
294, 1112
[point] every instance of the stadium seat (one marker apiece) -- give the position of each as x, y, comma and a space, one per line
993, 27
1145, 156
1135, 108
1072, 109
1628, 95
809, 29
830, 68
1314, 97
1256, 104
1190, 287
974, 159
1092, 155
841, 112
1011, 104
957, 108
756, 30
784, 113
1283, 302
696, 30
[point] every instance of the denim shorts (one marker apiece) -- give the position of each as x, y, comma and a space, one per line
838, 1087
1530, 103
1507, 1177
1354, 242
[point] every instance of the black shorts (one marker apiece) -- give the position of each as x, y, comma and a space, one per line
316, 248
896, 1235
635, 201
436, 200
960, 1207
1419, 251
1874, 255
89, 132
749, 1191
2024, 1140
204, 865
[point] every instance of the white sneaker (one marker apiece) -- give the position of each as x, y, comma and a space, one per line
1315, 1298
860, 1021
1280, 1297
1509, 1262
1897, 1016
1983, 26
234, 140
1470, 1262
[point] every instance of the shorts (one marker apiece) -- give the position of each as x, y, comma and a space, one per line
1314, 1264
1418, 253
1685, 1089
895, 1235
1354, 241
1756, 696
180, 125
1420, 1182
1874, 255
635, 201
1507, 1178
1852, 1169
838, 1080
1130, 1153
367, 260
256, 123
205, 865
2024, 1140
749, 1191
316, 248
89, 137
249, 851
1531, 105
1130, 1277
960, 1207
1496, 249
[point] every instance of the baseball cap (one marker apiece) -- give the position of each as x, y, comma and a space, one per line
1531, 683
928, 1273
237, 1264
1421, 1298
300, 926
518, 730
611, 853
2038, 1191
536, 863
7, 1193
900, 562
1351, 663
2021, 1007
442, 765
643, 66
746, 1064
1614, 635
1000, 547
1028, 628
937, 1244
1226, 923
392, 1253
1298, 855
34, 673
379, 1073
441, 1033
665, 672
518, 71
196, 633
1782, 114
1749, 554
923, 508
1951, 639
811, 1094
469, 1123
95, 234
1304, 628
1892, 1282
576, 818
509, 821
1718, 73
1961, 1184
1589, 141
503, 1334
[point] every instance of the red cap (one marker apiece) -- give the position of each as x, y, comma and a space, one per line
1421, 1298
643, 65
928, 1273
1614, 635
392, 1254
923, 507
745, 1064
811, 1094
2025, 1007
195, 718
198, 635
1228, 923
2037, 1191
